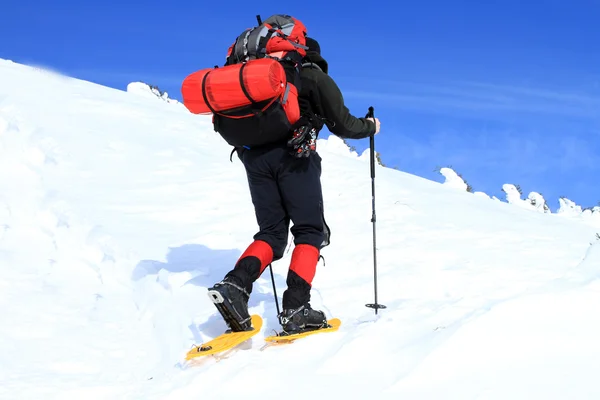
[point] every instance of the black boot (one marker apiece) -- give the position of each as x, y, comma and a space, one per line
231, 300
301, 319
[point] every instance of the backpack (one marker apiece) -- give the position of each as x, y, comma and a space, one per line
254, 97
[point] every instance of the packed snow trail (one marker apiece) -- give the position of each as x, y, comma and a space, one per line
118, 210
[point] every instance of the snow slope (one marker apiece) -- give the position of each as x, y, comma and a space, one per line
118, 210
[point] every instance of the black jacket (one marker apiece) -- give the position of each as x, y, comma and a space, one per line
320, 94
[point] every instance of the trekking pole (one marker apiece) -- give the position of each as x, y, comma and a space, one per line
274, 289
375, 305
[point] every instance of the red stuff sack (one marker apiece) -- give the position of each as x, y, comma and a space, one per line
232, 90
254, 97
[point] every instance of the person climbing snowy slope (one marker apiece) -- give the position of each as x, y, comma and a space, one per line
285, 188
284, 178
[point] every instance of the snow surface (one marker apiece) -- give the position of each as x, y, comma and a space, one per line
117, 211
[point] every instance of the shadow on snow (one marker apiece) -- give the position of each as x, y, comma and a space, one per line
208, 266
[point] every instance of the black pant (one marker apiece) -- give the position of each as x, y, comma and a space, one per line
285, 188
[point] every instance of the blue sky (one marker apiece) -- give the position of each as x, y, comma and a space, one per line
503, 91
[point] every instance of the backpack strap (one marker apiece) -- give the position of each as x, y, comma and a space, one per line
312, 65
239, 150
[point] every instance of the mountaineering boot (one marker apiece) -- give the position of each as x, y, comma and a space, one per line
231, 300
231, 295
301, 319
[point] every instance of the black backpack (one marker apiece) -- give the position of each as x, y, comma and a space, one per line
254, 97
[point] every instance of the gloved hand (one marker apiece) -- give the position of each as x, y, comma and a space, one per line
304, 141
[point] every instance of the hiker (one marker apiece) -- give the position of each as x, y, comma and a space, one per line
285, 188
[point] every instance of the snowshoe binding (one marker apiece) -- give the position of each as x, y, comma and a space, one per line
302, 319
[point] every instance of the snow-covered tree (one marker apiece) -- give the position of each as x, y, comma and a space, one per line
534, 201
378, 159
351, 147
538, 202
454, 179
568, 207
144, 89
513, 194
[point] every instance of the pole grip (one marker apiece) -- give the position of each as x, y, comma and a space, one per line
371, 114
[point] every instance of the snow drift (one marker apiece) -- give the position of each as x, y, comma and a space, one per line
148, 91
117, 211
